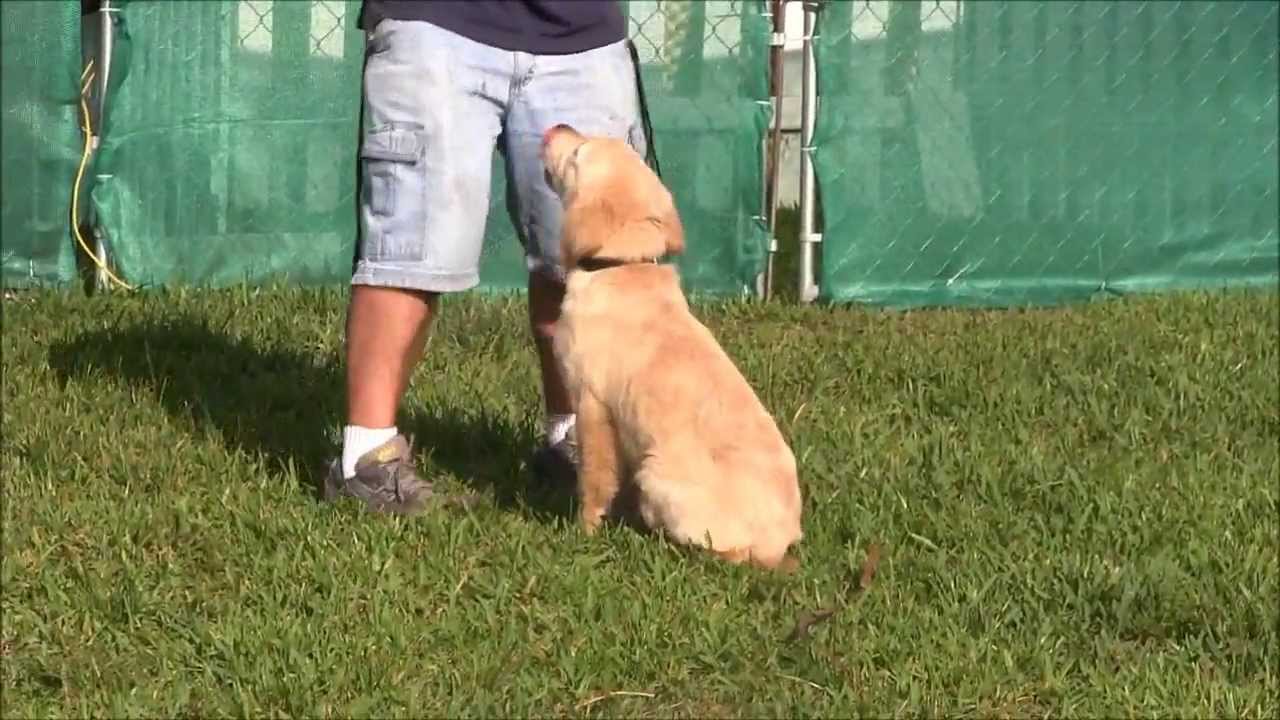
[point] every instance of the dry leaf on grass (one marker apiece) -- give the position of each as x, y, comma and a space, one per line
807, 620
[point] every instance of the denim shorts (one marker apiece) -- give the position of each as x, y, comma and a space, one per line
436, 106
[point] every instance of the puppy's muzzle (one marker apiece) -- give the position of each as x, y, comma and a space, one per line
553, 131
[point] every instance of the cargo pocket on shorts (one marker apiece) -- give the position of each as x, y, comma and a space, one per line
395, 180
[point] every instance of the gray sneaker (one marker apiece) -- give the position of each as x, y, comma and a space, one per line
387, 482
557, 464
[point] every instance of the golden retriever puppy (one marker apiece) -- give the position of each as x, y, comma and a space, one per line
658, 401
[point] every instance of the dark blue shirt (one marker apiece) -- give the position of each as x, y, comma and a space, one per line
543, 27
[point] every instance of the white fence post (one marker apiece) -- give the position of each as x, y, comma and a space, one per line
808, 285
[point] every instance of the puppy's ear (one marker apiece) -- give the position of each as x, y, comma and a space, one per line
671, 227
584, 230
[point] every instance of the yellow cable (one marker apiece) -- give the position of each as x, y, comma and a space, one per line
75, 192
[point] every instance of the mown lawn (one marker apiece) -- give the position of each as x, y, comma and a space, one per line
1077, 514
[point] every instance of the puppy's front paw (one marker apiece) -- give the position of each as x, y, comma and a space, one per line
590, 519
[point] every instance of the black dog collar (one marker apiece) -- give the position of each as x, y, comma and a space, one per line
592, 264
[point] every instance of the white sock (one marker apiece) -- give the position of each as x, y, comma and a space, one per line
558, 426
357, 441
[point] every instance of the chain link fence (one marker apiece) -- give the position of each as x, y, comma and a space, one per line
230, 141
997, 153
968, 152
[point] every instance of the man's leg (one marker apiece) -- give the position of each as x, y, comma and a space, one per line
545, 296
425, 161
595, 92
386, 330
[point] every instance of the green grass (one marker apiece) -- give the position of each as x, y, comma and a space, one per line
1077, 508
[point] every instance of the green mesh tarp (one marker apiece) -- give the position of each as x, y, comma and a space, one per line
993, 153
229, 144
41, 143
230, 150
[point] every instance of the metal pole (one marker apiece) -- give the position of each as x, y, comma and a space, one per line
777, 75
808, 286
106, 35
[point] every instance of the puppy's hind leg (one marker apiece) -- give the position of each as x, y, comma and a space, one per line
599, 473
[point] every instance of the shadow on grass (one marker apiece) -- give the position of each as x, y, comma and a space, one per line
283, 406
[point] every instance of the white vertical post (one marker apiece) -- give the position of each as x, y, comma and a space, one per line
777, 76
106, 36
808, 285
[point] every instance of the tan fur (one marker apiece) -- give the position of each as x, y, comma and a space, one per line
659, 402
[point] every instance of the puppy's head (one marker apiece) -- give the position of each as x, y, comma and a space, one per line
616, 208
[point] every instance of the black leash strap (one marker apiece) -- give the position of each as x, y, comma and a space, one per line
651, 150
